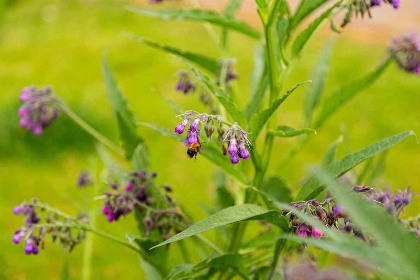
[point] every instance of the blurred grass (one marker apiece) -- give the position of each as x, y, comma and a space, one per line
60, 43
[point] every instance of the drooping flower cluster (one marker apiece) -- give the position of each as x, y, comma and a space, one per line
141, 195
38, 110
57, 225
84, 179
226, 70
362, 7
405, 49
335, 216
234, 136
185, 84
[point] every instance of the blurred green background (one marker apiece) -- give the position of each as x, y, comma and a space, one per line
60, 43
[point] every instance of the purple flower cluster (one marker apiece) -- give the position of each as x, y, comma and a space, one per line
34, 233
405, 49
84, 179
184, 84
394, 203
362, 7
38, 110
237, 140
226, 68
394, 3
141, 195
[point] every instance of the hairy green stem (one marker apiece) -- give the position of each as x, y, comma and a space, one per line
93, 132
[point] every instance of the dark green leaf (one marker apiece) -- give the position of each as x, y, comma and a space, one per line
379, 168
206, 62
330, 154
276, 188
313, 187
222, 218
305, 8
200, 15
400, 245
208, 151
287, 131
259, 120
224, 198
344, 94
314, 91
65, 271
126, 121
140, 160
306, 34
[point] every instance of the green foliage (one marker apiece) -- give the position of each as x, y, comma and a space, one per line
140, 159
330, 154
305, 8
224, 21
287, 131
313, 187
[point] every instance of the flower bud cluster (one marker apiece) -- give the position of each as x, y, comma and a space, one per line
38, 110
185, 84
141, 195
57, 226
227, 70
84, 179
237, 141
362, 7
394, 203
405, 50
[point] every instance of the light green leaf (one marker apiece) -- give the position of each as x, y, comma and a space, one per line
305, 8
313, 187
306, 34
221, 96
262, 6
276, 188
400, 245
287, 131
222, 218
125, 118
378, 169
200, 15
314, 91
212, 154
344, 94
259, 120
140, 160
330, 154
201, 60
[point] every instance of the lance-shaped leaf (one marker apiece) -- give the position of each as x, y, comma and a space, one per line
212, 154
313, 187
306, 34
125, 118
230, 11
228, 22
330, 154
230, 106
259, 120
140, 159
287, 131
201, 60
400, 245
225, 217
305, 8
344, 94
314, 91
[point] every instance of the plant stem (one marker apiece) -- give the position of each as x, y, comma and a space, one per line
114, 238
93, 132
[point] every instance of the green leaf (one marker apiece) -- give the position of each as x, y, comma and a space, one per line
378, 169
228, 22
206, 62
230, 11
65, 271
400, 245
125, 118
344, 94
222, 97
262, 6
259, 120
287, 131
157, 259
140, 160
305, 8
222, 218
277, 189
313, 187
306, 34
330, 154
224, 198
314, 91
212, 154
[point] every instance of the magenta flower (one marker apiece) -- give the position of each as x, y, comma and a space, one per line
303, 230
243, 152
181, 127
232, 149
316, 232
234, 158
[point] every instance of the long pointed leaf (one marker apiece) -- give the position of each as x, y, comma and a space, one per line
305, 8
287, 131
313, 187
200, 15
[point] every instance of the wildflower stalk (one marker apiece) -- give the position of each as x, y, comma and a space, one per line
93, 132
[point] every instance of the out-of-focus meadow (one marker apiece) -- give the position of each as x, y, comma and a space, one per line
60, 43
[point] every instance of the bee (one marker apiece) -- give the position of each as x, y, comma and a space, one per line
193, 150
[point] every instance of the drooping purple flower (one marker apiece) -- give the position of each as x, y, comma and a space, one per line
18, 236
38, 110
192, 137
194, 125
84, 179
395, 3
129, 187
303, 230
17, 210
339, 211
181, 127
243, 152
316, 232
234, 158
229, 71
232, 149
31, 246
376, 3
184, 83
405, 49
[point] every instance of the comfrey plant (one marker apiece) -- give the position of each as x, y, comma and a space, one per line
331, 209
